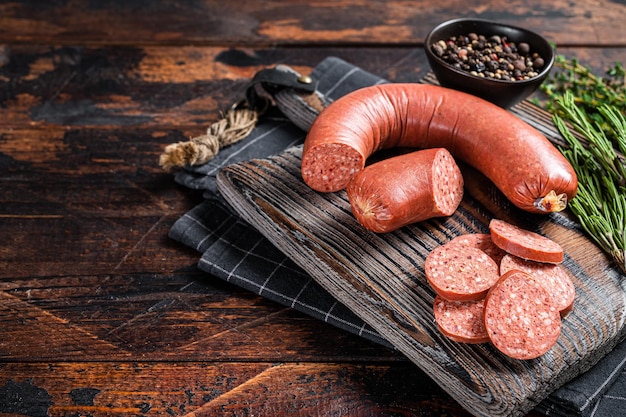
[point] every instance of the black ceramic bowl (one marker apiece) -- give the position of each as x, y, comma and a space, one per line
503, 93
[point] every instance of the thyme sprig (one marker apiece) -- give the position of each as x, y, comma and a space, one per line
592, 107
589, 90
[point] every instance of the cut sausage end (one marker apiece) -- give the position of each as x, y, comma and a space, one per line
521, 317
330, 167
447, 183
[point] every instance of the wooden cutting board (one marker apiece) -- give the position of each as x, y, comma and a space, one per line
380, 277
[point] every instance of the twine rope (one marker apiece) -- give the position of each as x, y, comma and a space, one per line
233, 127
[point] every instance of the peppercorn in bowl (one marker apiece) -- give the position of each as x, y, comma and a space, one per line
501, 63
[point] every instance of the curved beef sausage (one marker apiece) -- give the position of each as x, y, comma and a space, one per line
517, 158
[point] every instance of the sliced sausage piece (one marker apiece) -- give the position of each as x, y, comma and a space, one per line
480, 241
461, 321
554, 278
521, 317
406, 189
524, 243
459, 273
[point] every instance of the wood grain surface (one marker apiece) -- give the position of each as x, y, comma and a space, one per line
295, 22
101, 313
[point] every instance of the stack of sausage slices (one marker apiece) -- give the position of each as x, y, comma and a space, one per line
505, 287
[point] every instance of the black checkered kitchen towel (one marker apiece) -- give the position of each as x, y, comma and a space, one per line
236, 252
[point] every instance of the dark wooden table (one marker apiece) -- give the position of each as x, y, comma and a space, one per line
100, 312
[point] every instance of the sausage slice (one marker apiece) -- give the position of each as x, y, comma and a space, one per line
461, 321
524, 243
552, 277
481, 241
521, 317
459, 273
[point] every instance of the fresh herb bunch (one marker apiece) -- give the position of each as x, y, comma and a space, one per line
589, 90
588, 111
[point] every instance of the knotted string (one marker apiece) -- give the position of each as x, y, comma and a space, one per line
233, 127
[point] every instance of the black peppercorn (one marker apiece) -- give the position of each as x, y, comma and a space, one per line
492, 57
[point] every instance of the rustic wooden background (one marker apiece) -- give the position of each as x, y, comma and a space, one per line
100, 312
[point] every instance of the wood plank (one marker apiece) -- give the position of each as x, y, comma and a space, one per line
295, 22
162, 317
170, 92
302, 390
86, 223
166, 90
29, 329
206, 388
95, 189
117, 389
